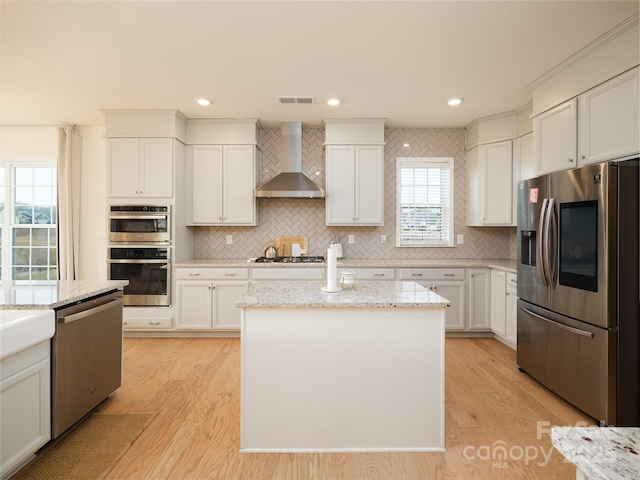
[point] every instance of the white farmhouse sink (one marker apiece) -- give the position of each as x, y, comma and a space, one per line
21, 329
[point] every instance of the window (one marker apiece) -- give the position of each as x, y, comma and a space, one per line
424, 216
28, 237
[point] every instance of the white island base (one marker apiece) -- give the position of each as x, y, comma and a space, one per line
342, 379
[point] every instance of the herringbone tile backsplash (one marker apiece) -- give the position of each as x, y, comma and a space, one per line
295, 217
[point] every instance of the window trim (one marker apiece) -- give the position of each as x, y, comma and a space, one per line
403, 162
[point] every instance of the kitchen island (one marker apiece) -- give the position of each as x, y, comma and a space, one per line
357, 370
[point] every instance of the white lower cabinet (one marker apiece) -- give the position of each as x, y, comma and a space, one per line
448, 283
504, 301
498, 303
206, 298
512, 309
25, 406
478, 294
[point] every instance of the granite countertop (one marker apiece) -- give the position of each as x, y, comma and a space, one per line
53, 294
499, 263
602, 453
366, 295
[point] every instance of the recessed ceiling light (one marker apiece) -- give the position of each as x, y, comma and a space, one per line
455, 101
203, 101
333, 102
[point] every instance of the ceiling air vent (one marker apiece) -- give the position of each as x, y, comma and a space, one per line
303, 100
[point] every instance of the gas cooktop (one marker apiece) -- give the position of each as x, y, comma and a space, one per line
318, 259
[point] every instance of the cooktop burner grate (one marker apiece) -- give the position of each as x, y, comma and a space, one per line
318, 259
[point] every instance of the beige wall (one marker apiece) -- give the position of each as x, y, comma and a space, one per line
293, 217
28, 142
93, 210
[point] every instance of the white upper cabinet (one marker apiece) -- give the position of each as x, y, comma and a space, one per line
354, 185
554, 138
140, 167
608, 120
490, 184
223, 181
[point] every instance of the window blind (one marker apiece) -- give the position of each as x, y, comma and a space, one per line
425, 205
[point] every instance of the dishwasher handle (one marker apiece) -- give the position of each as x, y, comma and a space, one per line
91, 311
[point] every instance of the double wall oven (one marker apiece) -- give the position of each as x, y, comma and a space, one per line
140, 251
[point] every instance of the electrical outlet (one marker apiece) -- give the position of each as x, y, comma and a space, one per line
352, 239
383, 239
229, 239
460, 239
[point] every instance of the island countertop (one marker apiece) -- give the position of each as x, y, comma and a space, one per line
366, 295
602, 453
54, 294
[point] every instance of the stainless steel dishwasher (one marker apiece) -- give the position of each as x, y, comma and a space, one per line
86, 354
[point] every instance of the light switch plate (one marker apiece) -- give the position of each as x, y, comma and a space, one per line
352, 239
460, 239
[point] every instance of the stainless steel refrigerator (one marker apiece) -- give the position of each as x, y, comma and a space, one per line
578, 287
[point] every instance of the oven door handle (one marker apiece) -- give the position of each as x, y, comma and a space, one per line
138, 217
91, 311
138, 261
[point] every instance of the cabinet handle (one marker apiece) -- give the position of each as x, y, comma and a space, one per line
154, 323
125, 323
571, 160
416, 274
513, 281
229, 274
194, 274
378, 274
584, 156
449, 274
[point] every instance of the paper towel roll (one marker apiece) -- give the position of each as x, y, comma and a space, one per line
332, 271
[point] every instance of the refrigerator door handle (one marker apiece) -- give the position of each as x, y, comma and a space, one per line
578, 331
542, 243
552, 245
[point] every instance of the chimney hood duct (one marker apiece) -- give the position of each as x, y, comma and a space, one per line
291, 183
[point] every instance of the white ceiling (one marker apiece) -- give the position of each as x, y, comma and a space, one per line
64, 61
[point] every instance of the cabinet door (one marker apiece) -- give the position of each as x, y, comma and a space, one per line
122, 167
555, 138
608, 119
226, 315
369, 185
479, 295
207, 184
156, 167
195, 310
524, 168
456, 314
497, 184
340, 185
498, 303
239, 184
474, 207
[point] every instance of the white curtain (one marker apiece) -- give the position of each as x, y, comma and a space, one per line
69, 156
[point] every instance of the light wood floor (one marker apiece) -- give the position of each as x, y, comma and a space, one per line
194, 386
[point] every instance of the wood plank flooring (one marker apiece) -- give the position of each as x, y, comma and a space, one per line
193, 384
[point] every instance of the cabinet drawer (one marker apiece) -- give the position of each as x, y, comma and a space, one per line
286, 273
147, 323
431, 274
212, 273
370, 273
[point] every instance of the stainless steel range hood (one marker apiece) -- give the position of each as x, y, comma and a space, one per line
291, 183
